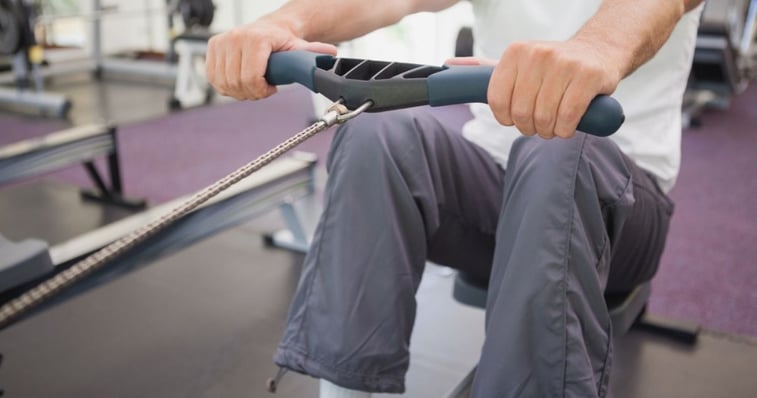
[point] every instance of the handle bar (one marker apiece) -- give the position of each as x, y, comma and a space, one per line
391, 85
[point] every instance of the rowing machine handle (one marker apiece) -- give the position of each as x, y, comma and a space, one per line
464, 84
445, 86
287, 67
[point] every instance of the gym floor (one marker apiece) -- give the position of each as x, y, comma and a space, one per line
204, 322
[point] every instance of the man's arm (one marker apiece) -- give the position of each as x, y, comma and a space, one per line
236, 60
633, 31
334, 21
544, 88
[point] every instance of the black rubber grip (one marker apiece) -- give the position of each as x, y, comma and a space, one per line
465, 84
289, 67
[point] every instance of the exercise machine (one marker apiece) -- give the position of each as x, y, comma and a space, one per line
191, 87
196, 15
32, 259
188, 49
29, 261
37, 277
30, 68
78, 145
17, 40
724, 57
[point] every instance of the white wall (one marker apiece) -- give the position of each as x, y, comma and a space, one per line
421, 38
142, 24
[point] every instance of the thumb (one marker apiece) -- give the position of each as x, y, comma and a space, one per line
470, 61
316, 47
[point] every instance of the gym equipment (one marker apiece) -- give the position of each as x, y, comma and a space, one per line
191, 87
17, 39
366, 84
26, 263
391, 85
78, 145
626, 311
189, 48
724, 57
363, 83
196, 12
197, 15
11, 30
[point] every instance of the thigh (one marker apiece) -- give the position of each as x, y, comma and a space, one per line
455, 185
468, 186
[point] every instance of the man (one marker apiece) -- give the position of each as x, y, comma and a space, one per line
551, 223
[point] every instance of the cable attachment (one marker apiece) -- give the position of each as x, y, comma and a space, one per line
339, 114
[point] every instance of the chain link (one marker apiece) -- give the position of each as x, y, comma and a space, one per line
48, 288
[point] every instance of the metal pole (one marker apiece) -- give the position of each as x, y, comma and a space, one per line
96, 36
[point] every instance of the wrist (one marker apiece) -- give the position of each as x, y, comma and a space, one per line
288, 22
616, 57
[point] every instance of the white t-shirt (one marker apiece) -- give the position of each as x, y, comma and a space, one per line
651, 97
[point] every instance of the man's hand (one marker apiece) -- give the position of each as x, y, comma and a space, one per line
545, 88
236, 61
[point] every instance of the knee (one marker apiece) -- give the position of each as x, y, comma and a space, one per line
539, 161
535, 150
580, 164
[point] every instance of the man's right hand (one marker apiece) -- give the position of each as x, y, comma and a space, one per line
236, 61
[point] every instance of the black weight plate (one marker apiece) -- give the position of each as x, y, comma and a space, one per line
197, 13
10, 32
209, 10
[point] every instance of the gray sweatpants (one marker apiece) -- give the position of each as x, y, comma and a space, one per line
568, 220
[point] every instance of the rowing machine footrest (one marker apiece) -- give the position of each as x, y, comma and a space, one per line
22, 262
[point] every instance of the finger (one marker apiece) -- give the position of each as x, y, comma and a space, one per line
548, 103
317, 47
251, 77
210, 63
246, 75
573, 106
233, 72
256, 67
220, 68
470, 61
500, 92
526, 88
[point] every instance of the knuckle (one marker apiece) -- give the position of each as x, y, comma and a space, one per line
503, 119
258, 88
517, 47
569, 115
235, 35
525, 130
545, 53
499, 108
234, 87
521, 113
564, 132
566, 125
543, 120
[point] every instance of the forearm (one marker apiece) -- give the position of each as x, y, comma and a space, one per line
333, 21
630, 32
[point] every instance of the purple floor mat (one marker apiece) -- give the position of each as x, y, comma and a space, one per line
183, 152
709, 270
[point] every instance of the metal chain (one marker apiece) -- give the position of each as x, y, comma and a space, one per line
16, 307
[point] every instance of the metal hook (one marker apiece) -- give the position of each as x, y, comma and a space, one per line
338, 113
